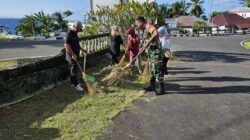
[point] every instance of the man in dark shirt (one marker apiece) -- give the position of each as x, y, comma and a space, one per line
72, 47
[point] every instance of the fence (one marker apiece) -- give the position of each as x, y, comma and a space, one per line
28, 80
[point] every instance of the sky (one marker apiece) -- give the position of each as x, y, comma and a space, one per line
19, 8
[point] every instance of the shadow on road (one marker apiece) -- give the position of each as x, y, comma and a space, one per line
173, 88
180, 89
205, 56
213, 79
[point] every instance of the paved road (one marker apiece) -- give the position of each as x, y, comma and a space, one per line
24, 49
208, 96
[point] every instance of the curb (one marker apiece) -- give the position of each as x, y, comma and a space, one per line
244, 45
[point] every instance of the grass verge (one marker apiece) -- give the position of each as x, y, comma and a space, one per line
3, 38
7, 64
246, 44
62, 113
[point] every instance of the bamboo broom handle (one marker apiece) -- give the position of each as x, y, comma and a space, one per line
140, 52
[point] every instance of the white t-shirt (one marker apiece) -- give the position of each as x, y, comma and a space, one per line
164, 37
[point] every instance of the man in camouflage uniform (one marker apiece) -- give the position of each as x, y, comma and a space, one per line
155, 53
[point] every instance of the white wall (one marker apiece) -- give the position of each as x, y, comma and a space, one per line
244, 14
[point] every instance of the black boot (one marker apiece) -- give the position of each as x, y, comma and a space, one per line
151, 87
161, 90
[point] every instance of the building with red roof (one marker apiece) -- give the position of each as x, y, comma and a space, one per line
231, 22
187, 23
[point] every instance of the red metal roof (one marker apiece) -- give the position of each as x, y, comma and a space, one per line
230, 19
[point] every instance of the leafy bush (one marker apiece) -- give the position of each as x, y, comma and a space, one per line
124, 15
198, 25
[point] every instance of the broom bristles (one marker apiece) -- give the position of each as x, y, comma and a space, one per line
123, 61
91, 88
145, 74
115, 76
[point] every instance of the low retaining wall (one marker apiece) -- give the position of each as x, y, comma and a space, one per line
24, 81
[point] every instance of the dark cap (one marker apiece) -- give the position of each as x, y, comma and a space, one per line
141, 18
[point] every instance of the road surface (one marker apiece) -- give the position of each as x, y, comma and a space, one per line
208, 96
26, 49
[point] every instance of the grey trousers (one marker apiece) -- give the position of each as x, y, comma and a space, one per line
139, 59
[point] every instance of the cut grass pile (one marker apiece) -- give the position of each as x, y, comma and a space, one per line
247, 44
7, 64
63, 113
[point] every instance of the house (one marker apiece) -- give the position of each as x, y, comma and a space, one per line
186, 23
231, 22
94, 4
243, 12
172, 23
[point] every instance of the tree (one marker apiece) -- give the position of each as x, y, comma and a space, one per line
204, 17
124, 15
198, 25
28, 26
214, 14
59, 19
196, 9
245, 3
178, 9
45, 22
165, 9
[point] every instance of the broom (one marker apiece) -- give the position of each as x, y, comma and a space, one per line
123, 60
116, 74
146, 72
87, 79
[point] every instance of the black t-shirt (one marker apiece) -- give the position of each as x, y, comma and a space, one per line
73, 40
115, 44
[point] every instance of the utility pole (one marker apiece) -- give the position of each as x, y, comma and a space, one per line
211, 10
91, 6
91, 12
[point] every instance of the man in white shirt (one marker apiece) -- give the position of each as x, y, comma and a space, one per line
165, 41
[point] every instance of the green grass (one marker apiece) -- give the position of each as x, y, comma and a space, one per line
7, 64
247, 44
3, 38
62, 113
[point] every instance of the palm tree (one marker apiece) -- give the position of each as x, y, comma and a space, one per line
59, 19
245, 3
165, 9
204, 17
215, 13
196, 9
28, 26
45, 21
178, 9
